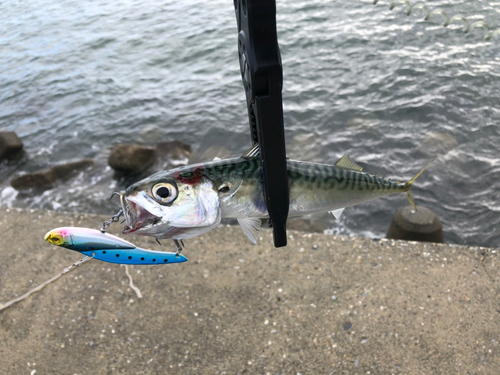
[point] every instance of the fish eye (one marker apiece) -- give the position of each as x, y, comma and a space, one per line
164, 192
223, 188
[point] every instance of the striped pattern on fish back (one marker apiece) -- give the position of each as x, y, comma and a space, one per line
314, 175
248, 169
327, 177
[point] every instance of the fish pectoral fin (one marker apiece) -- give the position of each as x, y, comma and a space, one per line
251, 227
337, 213
345, 163
253, 152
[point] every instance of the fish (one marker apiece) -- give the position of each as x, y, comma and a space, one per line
108, 248
188, 201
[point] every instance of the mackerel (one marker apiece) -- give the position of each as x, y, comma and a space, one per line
184, 202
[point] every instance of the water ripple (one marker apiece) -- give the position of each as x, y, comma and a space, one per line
393, 91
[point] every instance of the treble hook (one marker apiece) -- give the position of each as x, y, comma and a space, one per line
125, 208
116, 193
179, 247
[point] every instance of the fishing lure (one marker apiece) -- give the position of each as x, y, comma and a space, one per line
108, 248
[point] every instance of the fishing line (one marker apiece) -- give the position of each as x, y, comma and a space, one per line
131, 282
412, 7
65, 271
41, 286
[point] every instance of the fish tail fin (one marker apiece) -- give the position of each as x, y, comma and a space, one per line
409, 183
410, 198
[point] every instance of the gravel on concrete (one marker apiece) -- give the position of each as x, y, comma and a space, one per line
323, 305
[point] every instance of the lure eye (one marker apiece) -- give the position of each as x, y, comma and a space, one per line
56, 240
164, 192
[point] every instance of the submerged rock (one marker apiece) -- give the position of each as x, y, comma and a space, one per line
306, 146
421, 225
210, 154
66, 169
171, 154
359, 122
131, 158
49, 176
43, 177
173, 149
303, 224
10, 145
435, 143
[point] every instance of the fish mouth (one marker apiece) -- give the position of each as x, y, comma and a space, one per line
137, 217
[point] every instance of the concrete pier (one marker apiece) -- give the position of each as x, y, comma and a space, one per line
322, 305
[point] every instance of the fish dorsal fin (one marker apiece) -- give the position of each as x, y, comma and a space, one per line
337, 213
345, 163
251, 227
217, 158
253, 152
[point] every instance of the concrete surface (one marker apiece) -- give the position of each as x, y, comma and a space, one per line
323, 305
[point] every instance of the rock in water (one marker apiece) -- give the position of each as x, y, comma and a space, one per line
10, 144
131, 158
48, 176
306, 146
40, 178
359, 122
421, 225
302, 224
209, 154
171, 154
435, 143
66, 169
173, 149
